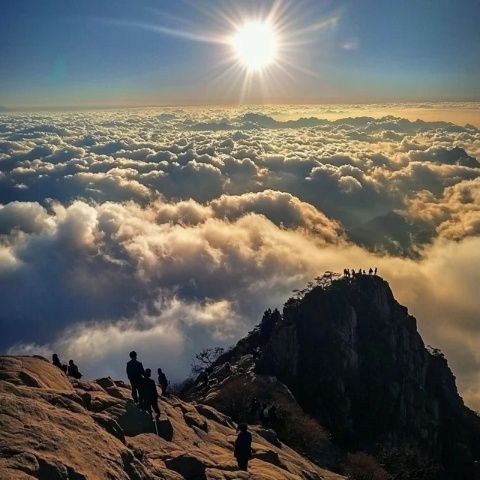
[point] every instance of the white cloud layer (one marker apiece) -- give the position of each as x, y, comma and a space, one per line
171, 231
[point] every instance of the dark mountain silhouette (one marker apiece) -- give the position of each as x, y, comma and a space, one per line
353, 359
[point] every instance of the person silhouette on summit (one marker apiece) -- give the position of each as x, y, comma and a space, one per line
162, 381
150, 394
135, 373
72, 370
243, 447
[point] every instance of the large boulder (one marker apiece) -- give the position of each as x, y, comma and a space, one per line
188, 466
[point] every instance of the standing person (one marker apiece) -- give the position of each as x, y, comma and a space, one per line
56, 361
150, 394
254, 408
243, 447
272, 414
135, 373
162, 381
265, 415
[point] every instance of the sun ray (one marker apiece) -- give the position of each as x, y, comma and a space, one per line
197, 37
263, 49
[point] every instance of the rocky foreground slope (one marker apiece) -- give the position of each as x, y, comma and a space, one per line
52, 428
352, 358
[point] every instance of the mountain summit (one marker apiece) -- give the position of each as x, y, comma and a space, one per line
351, 358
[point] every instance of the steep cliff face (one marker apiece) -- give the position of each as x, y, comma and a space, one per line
353, 359
52, 428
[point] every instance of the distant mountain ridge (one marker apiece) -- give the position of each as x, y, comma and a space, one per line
353, 359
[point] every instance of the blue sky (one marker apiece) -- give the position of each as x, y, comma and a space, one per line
87, 53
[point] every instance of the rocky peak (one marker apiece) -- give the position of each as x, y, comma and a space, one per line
352, 358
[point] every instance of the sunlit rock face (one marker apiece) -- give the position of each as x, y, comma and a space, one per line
352, 357
55, 429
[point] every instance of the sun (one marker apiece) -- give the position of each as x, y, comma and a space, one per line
255, 45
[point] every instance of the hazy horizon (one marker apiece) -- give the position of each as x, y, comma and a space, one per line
178, 52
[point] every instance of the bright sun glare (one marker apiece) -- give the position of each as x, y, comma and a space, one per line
255, 45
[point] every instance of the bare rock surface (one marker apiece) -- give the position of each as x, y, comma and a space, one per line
54, 428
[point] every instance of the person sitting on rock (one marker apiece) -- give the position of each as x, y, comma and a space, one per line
135, 373
162, 381
370, 271
56, 361
150, 394
72, 370
243, 447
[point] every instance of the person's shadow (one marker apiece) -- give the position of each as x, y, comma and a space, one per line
136, 421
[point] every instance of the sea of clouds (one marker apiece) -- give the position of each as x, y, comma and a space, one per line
167, 231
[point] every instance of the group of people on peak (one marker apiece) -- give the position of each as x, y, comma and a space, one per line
145, 396
352, 273
144, 390
71, 369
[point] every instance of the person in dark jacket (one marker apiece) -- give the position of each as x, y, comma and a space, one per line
254, 408
243, 447
265, 415
162, 381
272, 414
72, 370
150, 394
56, 361
135, 373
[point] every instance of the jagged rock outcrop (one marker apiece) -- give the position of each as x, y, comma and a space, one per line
54, 428
352, 357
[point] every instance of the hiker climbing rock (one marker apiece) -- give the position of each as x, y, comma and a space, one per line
162, 381
150, 394
243, 447
135, 373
